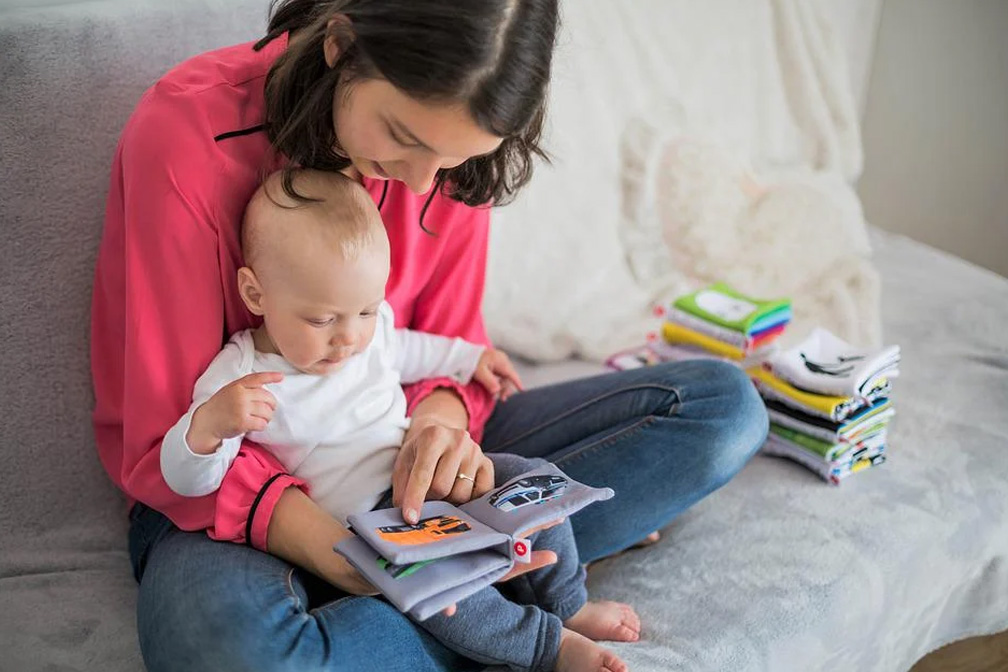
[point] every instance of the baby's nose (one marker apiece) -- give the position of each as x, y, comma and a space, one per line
344, 338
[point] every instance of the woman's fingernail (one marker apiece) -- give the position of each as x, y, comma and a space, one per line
411, 516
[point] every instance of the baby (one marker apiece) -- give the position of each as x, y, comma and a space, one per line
334, 413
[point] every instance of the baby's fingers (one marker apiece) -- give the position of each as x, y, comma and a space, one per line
261, 378
485, 377
263, 396
505, 369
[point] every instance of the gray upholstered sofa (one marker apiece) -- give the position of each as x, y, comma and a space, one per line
774, 572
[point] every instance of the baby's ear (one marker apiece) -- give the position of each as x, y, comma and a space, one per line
250, 290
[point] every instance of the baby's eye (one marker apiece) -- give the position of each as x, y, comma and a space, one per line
369, 313
319, 323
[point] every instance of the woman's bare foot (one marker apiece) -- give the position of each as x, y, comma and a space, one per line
652, 538
612, 621
580, 654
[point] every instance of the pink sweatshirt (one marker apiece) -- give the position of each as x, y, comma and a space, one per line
166, 298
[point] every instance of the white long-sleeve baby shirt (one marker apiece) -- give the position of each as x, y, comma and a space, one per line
339, 432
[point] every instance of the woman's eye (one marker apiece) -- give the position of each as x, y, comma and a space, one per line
401, 141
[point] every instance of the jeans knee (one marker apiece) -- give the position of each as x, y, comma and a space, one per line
742, 426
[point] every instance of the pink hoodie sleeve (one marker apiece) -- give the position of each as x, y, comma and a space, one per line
158, 321
450, 304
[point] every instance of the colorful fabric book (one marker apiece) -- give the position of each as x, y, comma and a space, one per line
677, 333
452, 552
729, 336
753, 341
856, 460
857, 426
721, 305
825, 450
826, 364
827, 406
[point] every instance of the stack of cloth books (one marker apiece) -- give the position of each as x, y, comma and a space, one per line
829, 403
712, 323
726, 323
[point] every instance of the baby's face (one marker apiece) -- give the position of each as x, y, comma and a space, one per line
323, 311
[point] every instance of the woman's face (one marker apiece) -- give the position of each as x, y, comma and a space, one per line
389, 135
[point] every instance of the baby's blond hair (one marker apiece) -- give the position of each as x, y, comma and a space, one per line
338, 210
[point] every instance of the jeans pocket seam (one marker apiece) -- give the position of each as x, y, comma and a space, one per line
609, 440
586, 404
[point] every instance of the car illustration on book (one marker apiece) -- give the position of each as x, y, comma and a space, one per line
400, 571
528, 490
425, 531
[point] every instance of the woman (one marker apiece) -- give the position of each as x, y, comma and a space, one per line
436, 107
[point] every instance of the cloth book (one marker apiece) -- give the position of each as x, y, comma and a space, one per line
830, 451
826, 364
454, 551
660, 350
859, 425
677, 333
831, 407
862, 456
722, 305
724, 334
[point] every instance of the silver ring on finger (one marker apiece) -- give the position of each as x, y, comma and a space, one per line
466, 477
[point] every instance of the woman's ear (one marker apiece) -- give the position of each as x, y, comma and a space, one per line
250, 290
338, 34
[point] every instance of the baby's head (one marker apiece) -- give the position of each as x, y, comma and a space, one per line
315, 271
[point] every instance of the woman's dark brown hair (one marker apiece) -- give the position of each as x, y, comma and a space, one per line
495, 55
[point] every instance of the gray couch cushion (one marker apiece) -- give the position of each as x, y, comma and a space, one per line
71, 74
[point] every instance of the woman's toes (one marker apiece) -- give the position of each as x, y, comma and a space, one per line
648, 540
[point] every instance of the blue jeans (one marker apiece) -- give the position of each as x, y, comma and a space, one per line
662, 437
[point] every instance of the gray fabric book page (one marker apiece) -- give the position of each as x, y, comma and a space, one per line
427, 608
533, 498
425, 588
442, 530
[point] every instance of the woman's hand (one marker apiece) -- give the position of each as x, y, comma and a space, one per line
438, 461
432, 445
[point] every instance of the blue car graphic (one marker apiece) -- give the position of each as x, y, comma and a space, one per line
528, 490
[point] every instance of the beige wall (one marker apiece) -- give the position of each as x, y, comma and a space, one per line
936, 127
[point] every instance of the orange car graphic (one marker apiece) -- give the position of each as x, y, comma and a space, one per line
425, 531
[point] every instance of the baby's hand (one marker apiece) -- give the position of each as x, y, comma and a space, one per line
238, 408
496, 373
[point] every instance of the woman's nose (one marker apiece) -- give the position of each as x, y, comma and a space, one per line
422, 171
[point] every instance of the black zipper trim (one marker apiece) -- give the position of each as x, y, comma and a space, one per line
255, 505
244, 131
